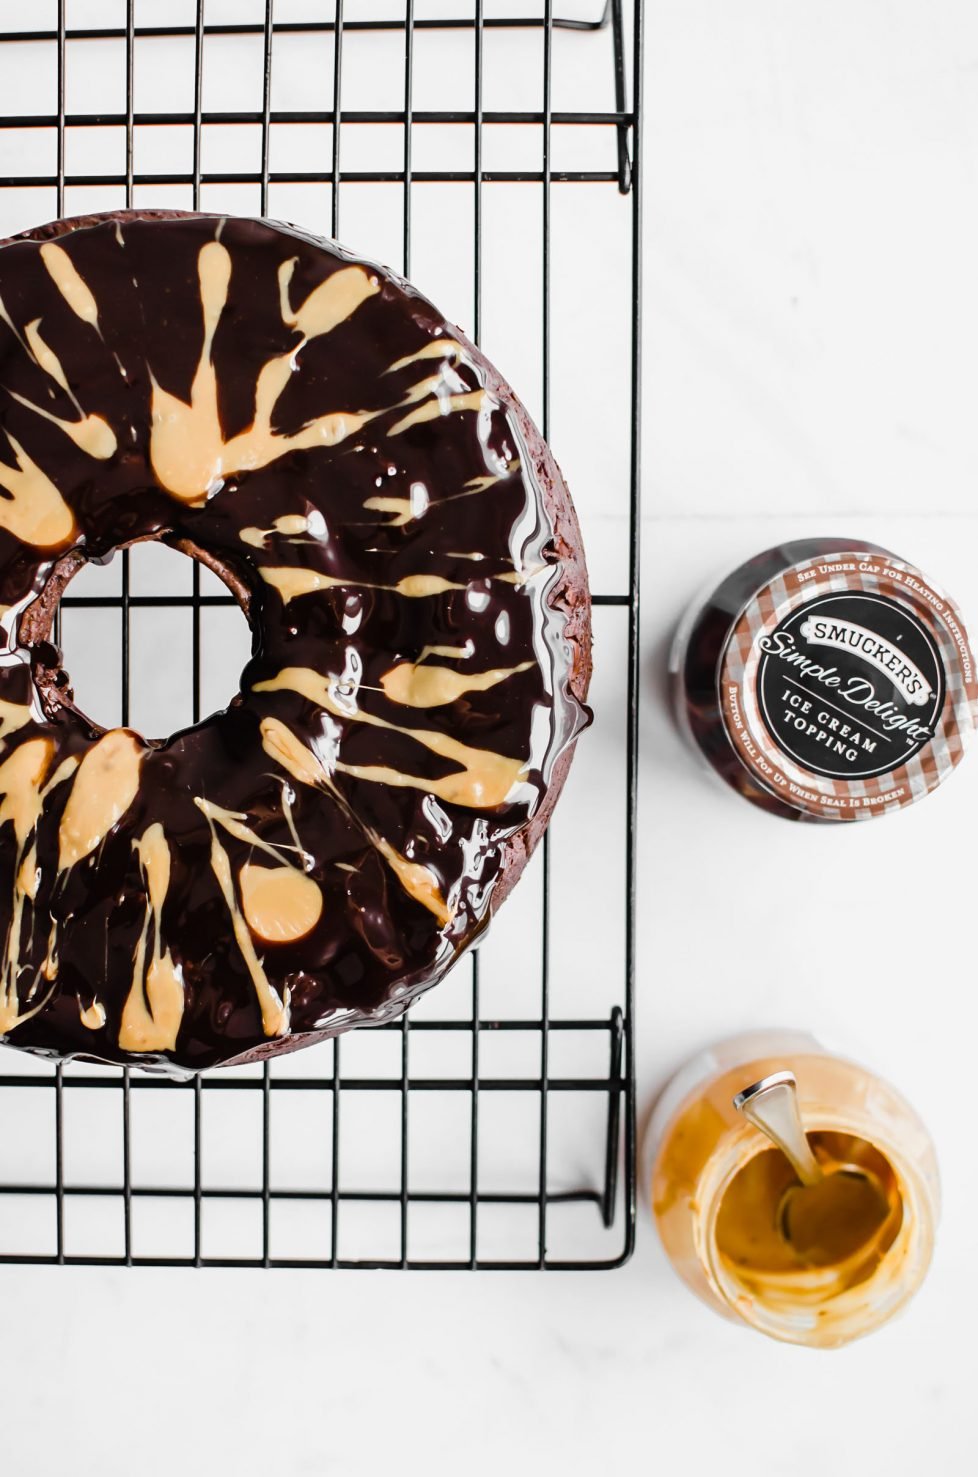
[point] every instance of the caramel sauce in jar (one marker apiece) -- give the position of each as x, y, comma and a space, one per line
717, 1185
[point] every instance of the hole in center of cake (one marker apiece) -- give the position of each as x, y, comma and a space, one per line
178, 664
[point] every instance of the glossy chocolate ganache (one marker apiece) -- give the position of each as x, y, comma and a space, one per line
408, 557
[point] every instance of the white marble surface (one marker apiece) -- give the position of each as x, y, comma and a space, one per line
811, 367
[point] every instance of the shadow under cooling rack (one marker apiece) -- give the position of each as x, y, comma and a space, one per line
491, 153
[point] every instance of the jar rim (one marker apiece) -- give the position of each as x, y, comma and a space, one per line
827, 634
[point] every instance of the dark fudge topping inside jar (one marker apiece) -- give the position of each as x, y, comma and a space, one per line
408, 558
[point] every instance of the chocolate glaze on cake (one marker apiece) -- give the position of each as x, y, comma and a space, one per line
409, 560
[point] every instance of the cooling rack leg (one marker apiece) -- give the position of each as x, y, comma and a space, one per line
613, 1140
618, 32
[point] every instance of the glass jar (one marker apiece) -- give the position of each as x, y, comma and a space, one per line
827, 680
715, 1193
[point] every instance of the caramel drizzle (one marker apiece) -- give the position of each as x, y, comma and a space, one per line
416, 880
475, 485
294, 582
13, 716
274, 1010
90, 433
453, 653
29, 875
235, 823
21, 777
281, 744
295, 528
299, 902
483, 780
436, 348
476, 400
188, 451
45, 358
92, 1016
154, 1007
53, 523
104, 789
69, 282
22, 784
35, 513
404, 510
280, 903
416, 686
288, 798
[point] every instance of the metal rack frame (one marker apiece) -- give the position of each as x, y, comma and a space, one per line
614, 1195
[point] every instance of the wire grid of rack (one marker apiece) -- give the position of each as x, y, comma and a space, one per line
40, 1193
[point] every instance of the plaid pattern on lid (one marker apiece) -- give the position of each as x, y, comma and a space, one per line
847, 685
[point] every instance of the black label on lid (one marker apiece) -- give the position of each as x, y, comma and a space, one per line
850, 685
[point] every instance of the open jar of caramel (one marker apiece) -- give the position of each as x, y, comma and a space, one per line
716, 1185
827, 680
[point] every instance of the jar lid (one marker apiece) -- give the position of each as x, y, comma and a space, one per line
847, 685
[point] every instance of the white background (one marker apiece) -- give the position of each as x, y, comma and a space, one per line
811, 367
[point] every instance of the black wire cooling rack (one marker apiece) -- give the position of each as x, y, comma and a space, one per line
258, 1166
